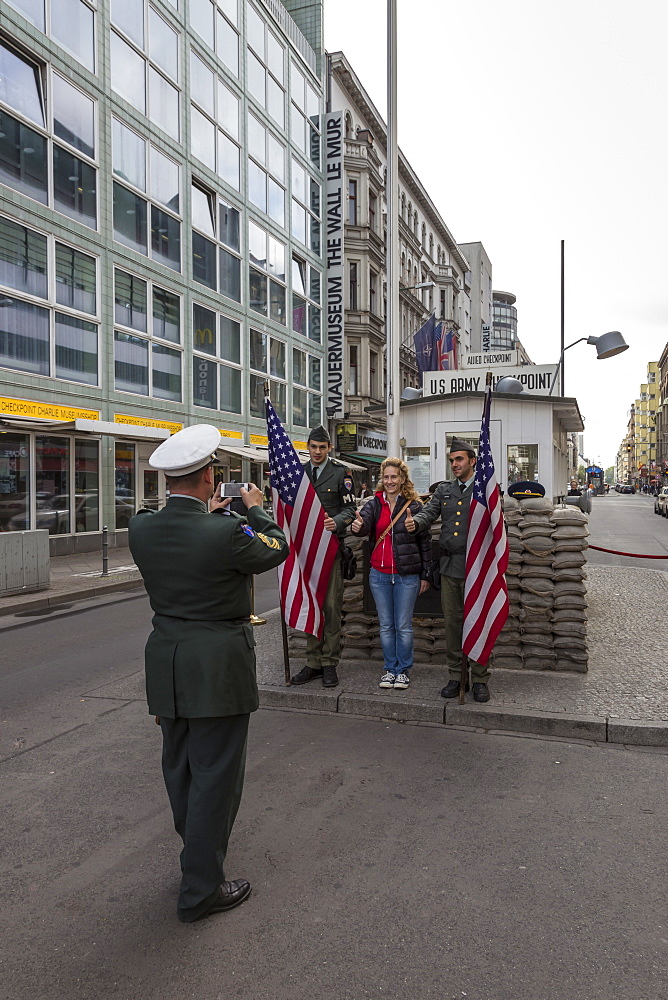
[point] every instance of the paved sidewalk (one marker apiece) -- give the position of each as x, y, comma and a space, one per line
76, 578
622, 699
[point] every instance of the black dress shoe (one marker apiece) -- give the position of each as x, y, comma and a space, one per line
330, 677
451, 689
230, 894
306, 674
480, 692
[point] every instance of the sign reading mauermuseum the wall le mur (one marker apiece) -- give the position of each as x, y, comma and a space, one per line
333, 253
536, 379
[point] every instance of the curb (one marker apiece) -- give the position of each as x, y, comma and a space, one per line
497, 718
25, 603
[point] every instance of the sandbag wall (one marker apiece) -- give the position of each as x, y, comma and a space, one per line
547, 624
546, 627
360, 636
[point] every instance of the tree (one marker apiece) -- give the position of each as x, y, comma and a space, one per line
610, 474
582, 474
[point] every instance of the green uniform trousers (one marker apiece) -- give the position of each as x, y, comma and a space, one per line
327, 651
452, 603
203, 763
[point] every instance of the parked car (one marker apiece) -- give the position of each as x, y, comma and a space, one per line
661, 501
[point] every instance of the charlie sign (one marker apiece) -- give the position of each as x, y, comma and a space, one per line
333, 131
536, 379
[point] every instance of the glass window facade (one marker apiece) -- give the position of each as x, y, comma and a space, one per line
106, 305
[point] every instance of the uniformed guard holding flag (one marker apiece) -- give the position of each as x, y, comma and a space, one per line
334, 486
197, 565
451, 501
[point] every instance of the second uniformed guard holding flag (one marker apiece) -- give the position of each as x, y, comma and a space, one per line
334, 487
451, 501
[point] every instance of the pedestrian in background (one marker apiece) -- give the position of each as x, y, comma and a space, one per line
400, 564
197, 565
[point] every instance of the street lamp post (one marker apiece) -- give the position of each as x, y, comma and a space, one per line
392, 245
607, 346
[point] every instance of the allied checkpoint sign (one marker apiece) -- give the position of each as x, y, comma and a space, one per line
333, 254
493, 358
536, 379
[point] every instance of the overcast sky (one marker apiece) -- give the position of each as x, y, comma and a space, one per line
529, 123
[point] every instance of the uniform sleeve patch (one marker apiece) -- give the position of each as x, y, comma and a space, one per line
246, 528
348, 483
273, 543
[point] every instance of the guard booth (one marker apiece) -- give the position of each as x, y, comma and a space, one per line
596, 479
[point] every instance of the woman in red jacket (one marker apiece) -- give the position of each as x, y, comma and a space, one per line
400, 563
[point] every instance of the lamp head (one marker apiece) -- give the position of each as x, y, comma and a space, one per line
608, 344
509, 384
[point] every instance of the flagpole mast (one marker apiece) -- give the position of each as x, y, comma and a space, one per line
284, 627
392, 244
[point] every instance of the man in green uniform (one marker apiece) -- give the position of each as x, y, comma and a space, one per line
334, 486
200, 658
451, 501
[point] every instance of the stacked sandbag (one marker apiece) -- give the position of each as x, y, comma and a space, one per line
508, 649
546, 626
570, 600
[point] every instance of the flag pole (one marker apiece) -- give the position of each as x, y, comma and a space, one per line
284, 628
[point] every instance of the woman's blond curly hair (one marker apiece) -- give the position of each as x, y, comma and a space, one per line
408, 490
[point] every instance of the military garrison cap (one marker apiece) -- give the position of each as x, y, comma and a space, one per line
526, 489
319, 434
187, 451
458, 445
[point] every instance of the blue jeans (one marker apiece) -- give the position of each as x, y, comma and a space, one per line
395, 598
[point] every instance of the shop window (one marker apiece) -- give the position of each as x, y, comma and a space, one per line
86, 486
14, 481
125, 483
52, 481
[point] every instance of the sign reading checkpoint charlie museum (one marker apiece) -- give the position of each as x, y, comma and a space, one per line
536, 379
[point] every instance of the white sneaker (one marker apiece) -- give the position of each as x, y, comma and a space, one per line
387, 680
401, 681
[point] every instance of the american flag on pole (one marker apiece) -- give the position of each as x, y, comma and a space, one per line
485, 590
304, 576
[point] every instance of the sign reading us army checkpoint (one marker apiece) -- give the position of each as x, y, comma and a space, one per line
536, 379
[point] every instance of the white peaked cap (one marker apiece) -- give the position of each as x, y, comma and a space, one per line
186, 451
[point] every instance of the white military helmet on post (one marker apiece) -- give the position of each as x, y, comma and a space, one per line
187, 451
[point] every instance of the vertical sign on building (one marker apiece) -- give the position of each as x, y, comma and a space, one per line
333, 254
486, 340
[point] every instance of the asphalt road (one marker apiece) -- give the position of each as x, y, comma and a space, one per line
387, 860
627, 522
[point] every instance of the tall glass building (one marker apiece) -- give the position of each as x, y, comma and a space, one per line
504, 329
160, 244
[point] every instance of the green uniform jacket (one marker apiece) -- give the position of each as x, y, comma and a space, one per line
452, 506
197, 566
334, 487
